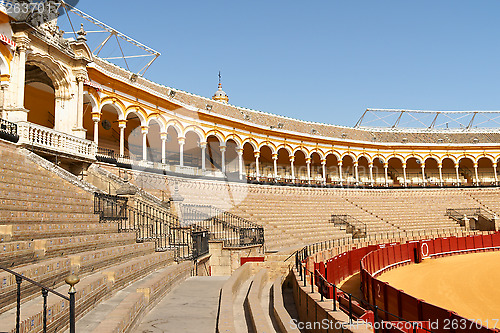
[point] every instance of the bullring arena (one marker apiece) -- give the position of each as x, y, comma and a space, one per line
129, 206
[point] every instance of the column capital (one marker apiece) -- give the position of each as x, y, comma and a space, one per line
239, 150
440, 165
203, 145
308, 160
275, 156
80, 75
256, 154
122, 123
494, 165
323, 162
355, 163
291, 158
222, 148
96, 116
339, 163
164, 136
475, 164
181, 140
144, 129
457, 165
22, 42
386, 165
370, 164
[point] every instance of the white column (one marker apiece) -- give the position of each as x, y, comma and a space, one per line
424, 181
203, 146
495, 173
96, 117
404, 175
22, 45
122, 124
475, 173
275, 162
223, 158
458, 176
323, 167
239, 151
144, 130
257, 155
356, 172
78, 129
181, 141
292, 168
370, 166
164, 137
440, 167
340, 172
386, 165
308, 164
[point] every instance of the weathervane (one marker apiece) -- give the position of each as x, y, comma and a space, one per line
220, 78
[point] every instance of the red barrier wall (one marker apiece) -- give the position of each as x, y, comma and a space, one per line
372, 259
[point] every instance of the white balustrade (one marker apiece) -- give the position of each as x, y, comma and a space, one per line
46, 138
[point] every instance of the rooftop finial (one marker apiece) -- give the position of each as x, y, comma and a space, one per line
220, 95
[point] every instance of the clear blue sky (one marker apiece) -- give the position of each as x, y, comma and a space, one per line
323, 61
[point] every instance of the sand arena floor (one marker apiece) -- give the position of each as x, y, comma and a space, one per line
466, 284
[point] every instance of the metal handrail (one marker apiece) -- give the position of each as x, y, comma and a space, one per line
152, 223
45, 292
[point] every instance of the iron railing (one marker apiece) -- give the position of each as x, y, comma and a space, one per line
233, 230
111, 208
45, 293
350, 224
458, 214
151, 223
106, 155
8, 131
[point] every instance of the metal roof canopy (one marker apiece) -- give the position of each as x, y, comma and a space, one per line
432, 120
111, 36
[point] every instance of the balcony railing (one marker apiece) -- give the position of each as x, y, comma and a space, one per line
45, 138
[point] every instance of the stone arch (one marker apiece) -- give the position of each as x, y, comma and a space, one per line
231, 156
217, 134
137, 111
318, 151
395, 169
234, 138
283, 162
448, 170
301, 149
431, 170
416, 156
332, 168
196, 130
213, 152
485, 171
269, 145
153, 139
159, 119
55, 71
364, 169
4, 61
115, 103
316, 157
251, 142
192, 147
287, 148
466, 169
